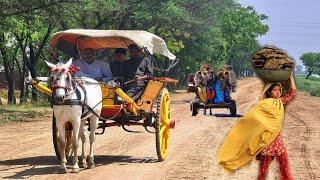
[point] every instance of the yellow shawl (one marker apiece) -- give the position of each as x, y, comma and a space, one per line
253, 132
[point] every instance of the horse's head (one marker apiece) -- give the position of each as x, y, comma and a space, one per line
60, 80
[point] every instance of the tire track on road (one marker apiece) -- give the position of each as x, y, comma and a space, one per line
304, 150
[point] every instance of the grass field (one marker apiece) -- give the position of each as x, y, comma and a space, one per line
18, 113
311, 85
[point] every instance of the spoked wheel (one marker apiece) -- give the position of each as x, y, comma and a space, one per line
233, 108
194, 108
162, 124
55, 138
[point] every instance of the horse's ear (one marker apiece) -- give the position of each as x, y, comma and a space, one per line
51, 66
69, 62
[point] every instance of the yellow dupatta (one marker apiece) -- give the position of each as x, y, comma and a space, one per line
253, 132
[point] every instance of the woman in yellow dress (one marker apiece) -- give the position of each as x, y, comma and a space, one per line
257, 133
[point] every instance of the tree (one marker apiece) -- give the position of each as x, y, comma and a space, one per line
312, 62
299, 69
197, 32
8, 69
240, 27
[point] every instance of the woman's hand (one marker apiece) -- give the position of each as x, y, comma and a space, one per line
292, 82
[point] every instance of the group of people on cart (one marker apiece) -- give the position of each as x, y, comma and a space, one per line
119, 68
217, 86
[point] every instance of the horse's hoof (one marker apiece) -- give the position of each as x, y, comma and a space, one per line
75, 170
82, 164
63, 170
90, 162
90, 165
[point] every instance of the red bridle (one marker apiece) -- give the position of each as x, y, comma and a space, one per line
70, 70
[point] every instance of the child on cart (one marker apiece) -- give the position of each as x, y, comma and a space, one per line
211, 78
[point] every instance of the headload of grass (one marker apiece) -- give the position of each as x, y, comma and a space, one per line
16, 113
311, 85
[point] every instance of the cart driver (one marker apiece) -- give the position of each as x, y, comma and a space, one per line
136, 66
91, 67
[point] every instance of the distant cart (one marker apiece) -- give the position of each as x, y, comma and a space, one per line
200, 102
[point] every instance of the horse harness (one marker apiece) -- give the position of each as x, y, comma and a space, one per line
78, 101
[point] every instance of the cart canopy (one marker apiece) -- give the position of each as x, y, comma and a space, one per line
71, 40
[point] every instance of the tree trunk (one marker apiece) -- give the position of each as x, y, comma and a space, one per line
309, 74
310, 71
23, 98
9, 75
35, 52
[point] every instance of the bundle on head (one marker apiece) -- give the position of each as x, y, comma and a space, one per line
272, 64
270, 57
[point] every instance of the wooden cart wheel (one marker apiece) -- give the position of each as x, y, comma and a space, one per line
233, 108
194, 108
162, 124
55, 138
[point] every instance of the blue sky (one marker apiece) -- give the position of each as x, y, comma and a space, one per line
294, 25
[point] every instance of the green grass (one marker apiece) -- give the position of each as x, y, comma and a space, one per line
311, 85
16, 113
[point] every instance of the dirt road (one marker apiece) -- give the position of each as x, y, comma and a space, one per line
26, 149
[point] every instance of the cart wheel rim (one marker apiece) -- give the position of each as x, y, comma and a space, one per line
164, 124
164, 140
165, 109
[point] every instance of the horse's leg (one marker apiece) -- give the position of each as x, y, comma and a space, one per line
93, 126
75, 144
62, 141
83, 140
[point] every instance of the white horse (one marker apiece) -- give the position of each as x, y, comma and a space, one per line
64, 89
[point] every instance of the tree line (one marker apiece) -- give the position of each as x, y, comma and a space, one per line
197, 32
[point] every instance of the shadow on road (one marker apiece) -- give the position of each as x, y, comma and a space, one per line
122, 160
33, 165
44, 165
227, 115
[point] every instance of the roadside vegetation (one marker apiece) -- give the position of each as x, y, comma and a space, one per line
310, 85
15, 113
197, 32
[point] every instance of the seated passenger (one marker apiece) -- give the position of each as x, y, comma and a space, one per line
198, 78
227, 86
137, 66
205, 78
219, 88
91, 67
116, 64
211, 86
232, 78
190, 83
190, 80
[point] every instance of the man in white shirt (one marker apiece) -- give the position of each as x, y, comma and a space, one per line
91, 67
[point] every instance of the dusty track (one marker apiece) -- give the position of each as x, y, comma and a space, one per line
26, 148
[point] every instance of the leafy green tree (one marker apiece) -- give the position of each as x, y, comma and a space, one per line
240, 27
312, 62
198, 32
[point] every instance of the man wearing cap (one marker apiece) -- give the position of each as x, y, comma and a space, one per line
135, 67
116, 64
91, 67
